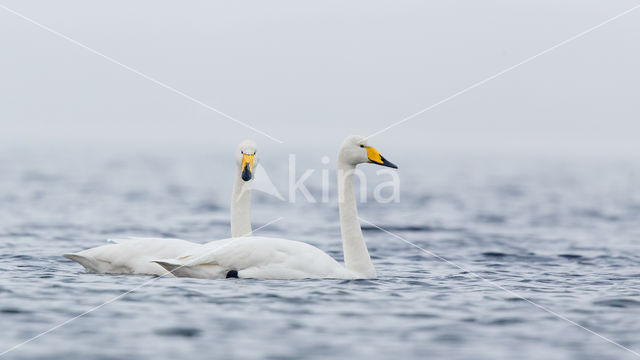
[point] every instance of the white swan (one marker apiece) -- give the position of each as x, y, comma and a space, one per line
133, 255
271, 258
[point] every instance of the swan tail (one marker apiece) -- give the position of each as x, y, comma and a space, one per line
202, 271
168, 264
89, 264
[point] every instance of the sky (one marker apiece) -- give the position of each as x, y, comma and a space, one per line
310, 73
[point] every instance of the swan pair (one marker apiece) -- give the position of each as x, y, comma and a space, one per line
246, 256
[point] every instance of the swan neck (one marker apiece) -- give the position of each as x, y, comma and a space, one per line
356, 255
241, 207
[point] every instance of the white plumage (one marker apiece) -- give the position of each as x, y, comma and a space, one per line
134, 255
251, 256
256, 257
130, 255
271, 258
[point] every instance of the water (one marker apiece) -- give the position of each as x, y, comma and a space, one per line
563, 233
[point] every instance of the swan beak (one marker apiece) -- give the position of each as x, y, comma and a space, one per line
247, 167
375, 158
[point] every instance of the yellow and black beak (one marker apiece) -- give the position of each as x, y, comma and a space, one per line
247, 167
374, 157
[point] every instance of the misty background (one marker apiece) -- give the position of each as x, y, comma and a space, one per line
310, 73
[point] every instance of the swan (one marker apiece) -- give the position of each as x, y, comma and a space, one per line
133, 255
273, 258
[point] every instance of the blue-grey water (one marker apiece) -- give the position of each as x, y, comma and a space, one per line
561, 232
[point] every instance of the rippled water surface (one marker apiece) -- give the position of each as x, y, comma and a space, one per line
564, 234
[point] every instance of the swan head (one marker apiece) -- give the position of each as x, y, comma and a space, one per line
247, 159
357, 150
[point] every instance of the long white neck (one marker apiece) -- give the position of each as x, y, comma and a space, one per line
356, 255
241, 207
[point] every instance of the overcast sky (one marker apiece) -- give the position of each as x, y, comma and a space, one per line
312, 72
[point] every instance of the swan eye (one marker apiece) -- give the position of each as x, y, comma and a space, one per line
362, 146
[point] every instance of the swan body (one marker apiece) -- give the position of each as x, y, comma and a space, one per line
259, 258
130, 255
134, 255
273, 258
